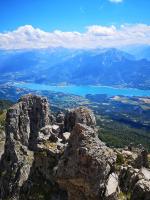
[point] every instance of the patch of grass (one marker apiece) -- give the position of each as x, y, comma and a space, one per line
4, 105
120, 159
123, 196
50, 145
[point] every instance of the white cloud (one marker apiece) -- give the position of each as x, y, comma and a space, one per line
26, 37
101, 30
116, 1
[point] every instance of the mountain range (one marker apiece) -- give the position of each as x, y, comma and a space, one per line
110, 67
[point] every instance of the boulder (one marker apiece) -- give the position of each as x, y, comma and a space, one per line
128, 177
141, 190
60, 117
136, 182
142, 159
66, 136
112, 187
145, 172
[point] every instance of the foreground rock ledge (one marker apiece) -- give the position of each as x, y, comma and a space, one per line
60, 157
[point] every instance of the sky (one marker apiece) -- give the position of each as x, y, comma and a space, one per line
73, 23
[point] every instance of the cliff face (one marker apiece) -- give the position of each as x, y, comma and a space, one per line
61, 157
25, 119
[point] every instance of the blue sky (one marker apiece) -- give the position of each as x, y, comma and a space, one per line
71, 15
73, 23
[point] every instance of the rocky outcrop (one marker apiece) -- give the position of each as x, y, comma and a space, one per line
128, 178
25, 119
34, 144
80, 115
136, 182
112, 187
84, 169
142, 159
62, 158
2, 142
31, 150
141, 190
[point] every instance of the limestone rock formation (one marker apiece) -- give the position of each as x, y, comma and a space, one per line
25, 119
2, 142
136, 182
29, 155
62, 158
142, 159
85, 166
141, 190
128, 178
112, 187
80, 115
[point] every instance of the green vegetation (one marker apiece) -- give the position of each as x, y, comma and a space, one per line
2, 119
120, 159
122, 120
123, 196
116, 134
4, 105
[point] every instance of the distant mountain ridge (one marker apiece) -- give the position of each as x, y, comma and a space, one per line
139, 52
110, 67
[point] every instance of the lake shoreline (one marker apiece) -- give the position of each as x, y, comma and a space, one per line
84, 90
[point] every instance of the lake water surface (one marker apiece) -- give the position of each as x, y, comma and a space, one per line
84, 90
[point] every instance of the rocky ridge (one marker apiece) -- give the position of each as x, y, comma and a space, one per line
60, 157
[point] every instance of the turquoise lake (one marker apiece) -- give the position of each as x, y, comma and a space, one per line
84, 90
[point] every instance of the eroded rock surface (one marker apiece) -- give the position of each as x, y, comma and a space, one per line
62, 158
26, 118
80, 115
136, 182
30, 153
86, 165
2, 142
141, 190
112, 187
